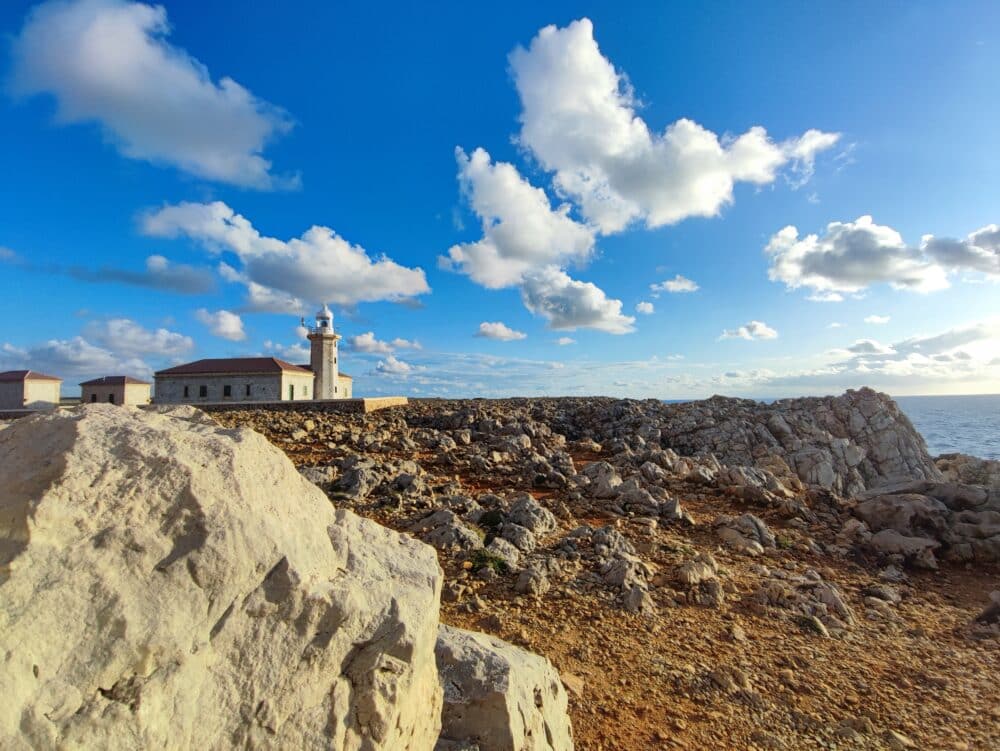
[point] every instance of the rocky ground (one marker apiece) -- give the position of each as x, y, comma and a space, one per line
711, 575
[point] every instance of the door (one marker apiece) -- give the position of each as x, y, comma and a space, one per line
291, 391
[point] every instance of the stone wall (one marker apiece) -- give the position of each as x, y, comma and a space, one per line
263, 387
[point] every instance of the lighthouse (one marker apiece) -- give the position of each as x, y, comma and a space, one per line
323, 356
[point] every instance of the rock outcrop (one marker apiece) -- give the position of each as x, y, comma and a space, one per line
498, 697
915, 519
167, 583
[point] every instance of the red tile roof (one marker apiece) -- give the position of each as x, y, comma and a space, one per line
233, 365
114, 381
12, 376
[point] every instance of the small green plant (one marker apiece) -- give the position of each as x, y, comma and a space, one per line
484, 559
785, 543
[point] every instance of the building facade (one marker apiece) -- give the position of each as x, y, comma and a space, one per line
115, 390
28, 389
261, 379
237, 379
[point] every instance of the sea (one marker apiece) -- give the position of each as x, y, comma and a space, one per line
956, 424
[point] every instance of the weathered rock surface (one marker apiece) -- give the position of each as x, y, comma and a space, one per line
969, 470
167, 583
498, 697
913, 519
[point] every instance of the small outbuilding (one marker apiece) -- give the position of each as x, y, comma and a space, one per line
116, 390
28, 389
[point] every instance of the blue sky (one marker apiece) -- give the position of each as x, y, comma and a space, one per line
657, 201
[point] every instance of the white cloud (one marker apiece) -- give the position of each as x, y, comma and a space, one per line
520, 229
579, 120
294, 353
569, 304
645, 308
319, 266
980, 251
223, 324
851, 256
73, 359
835, 325
128, 339
877, 320
400, 343
562, 341
677, 284
392, 366
500, 331
368, 343
752, 330
109, 62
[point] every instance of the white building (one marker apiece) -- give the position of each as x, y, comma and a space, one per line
261, 379
115, 390
28, 389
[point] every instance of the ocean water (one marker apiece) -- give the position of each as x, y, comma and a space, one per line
956, 424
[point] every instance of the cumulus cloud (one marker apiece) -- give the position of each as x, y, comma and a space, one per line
677, 284
109, 62
319, 266
392, 366
877, 320
835, 325
368, 343
562, 341
851, 256
980, 251
645, 308
751, 331
521, 231
293, 353
73, 359
569, 304
129, 339
160, 274
400, 343
223, 324
500, 331
579, 121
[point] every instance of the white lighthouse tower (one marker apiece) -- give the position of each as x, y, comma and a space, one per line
323, 356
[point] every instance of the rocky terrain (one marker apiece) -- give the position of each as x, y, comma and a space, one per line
707, 575
718, 574
168, 583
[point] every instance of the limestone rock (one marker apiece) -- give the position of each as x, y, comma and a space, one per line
500, 697
167, 583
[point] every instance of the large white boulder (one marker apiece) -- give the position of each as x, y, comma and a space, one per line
498, 697
166, 583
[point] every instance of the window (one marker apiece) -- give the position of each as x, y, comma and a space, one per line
291, 391
187, 391
111, 398
305, 391
227, 390
93, 397
248, 389
203, 391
